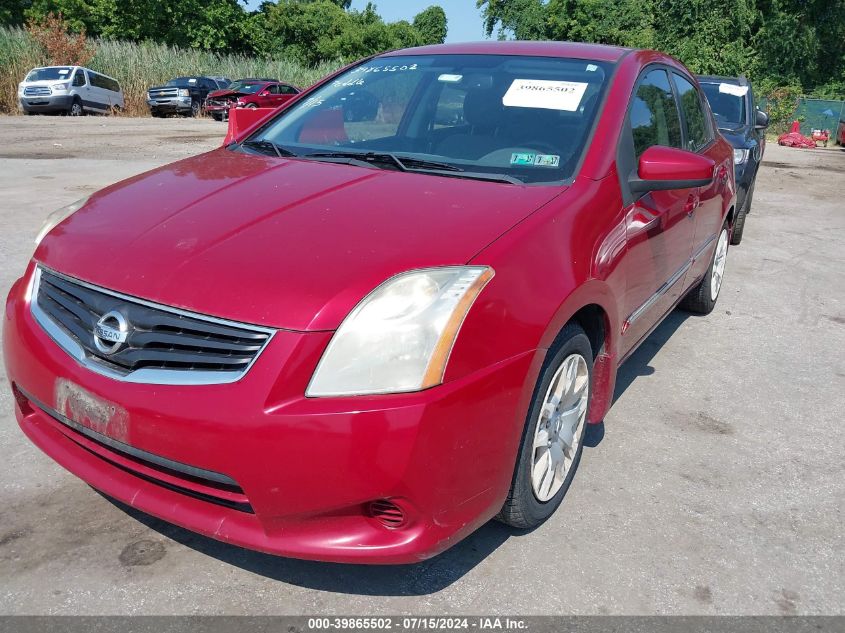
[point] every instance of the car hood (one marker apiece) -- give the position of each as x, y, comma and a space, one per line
737, 137
291, 244
216, 94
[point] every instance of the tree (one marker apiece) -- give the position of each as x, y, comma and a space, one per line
431, 24
523, 19
61, 47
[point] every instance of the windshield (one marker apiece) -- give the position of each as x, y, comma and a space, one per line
525, 118
247, 88
46, 74
727, 102
182, 81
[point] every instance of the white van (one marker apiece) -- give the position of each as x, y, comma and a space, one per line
70, 89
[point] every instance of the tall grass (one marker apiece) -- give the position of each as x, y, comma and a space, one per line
137, 66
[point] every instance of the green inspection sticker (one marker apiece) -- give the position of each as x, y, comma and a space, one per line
547, 160
522, 159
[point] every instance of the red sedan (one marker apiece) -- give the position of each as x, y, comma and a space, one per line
385, 315
249, 93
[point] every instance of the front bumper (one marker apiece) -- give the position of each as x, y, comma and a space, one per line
176, 104
301, 472
745, 174
51, 103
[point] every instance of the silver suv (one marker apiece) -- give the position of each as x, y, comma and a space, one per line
71, 89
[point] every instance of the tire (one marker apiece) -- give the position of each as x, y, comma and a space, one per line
251, 106
156, 114
524, 507
196, 107
217, 117
701, 299
739, 223
75, 108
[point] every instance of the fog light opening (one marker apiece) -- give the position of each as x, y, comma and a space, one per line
387, 513
22, 400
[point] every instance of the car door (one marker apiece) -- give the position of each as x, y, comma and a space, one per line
98, 95
80, 87
286, 93
700, 136
658, 226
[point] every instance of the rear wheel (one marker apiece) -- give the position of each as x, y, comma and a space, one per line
553, 438
702, 298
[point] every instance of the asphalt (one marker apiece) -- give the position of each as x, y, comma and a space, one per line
716, 484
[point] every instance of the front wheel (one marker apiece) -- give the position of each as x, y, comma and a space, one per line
76, 108
702, 298
553, 438
195, 108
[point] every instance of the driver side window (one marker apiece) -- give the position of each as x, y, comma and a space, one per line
653, 114
79, 77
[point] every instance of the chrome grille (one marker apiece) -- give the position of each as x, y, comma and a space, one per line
163, 345
37, 91
163, 93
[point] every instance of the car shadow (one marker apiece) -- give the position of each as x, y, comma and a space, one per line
416, 579
639, 362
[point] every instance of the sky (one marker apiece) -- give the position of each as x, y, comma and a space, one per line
464, 20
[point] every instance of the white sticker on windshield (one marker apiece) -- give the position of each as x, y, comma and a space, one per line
733, 89
591, 68
549, 95
64, 71
450, 78
192, 81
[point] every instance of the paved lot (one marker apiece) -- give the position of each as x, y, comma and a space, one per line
717, 484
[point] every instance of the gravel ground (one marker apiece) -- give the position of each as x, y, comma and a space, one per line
715, 486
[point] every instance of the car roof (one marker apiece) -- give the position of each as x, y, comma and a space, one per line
719, 79
575, 50
256, 80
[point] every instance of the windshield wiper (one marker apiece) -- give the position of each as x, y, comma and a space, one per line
413, 165
264, 144
403, 163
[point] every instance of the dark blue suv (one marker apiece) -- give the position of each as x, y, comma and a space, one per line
744, 126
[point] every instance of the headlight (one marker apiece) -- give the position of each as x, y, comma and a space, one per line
399, 337
58, 216
184, 92
740, 156
59, 87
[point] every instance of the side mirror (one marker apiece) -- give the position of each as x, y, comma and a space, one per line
662, 168
761, 120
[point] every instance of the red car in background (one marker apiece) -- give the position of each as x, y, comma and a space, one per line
249, 93
358, 333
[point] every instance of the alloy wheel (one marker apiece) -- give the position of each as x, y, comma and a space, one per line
559, 427
719, 259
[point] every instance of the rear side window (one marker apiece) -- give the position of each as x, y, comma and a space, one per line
654, 115
79, 77
695, 117
101, 81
